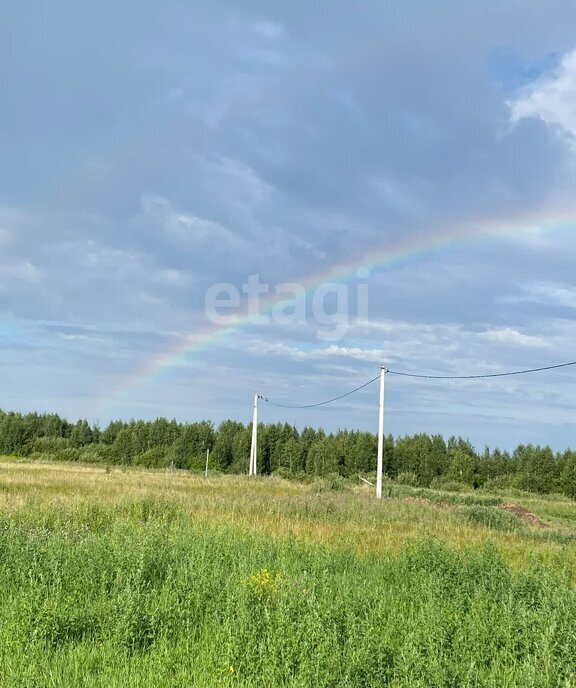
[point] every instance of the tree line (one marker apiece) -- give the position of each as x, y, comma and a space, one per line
422, 460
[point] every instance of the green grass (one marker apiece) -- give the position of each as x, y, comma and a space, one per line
144, 578
437, 496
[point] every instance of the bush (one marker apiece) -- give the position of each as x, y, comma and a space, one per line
501, 482
153, 458
68, 454
438, 497
44, 445
287, 474
97, 453
408, 478
492, 517
331, 483
41, 457
447, 485
337, 482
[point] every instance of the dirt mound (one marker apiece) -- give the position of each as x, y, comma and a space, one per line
525, 515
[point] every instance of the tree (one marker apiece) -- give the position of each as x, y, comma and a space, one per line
568, 476
189, 449
462, 467
81, 434
122, 446
224, 444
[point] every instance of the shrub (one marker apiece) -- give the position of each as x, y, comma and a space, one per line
97, 453
44, 445
501, 482
41, 457
330, 483
153, 458
336, 482
449, 485
408, 478
492, 517
69, 454
445, 497
287, 474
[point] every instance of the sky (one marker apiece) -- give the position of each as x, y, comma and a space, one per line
397, 180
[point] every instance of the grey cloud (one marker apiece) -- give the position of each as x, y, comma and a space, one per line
148, 151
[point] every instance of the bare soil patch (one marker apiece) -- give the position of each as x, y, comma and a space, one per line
525, 515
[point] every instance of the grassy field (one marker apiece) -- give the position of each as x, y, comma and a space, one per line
141, 578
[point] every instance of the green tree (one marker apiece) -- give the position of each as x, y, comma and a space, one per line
462, 466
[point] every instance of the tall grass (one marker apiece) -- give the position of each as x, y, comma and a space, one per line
194, 583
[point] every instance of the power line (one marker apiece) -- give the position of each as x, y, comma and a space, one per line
381, 377
321, 403
420, 377
478, 377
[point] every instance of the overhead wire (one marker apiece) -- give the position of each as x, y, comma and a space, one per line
479, 377
420, 376
321, 403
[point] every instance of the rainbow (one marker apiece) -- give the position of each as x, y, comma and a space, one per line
413, 247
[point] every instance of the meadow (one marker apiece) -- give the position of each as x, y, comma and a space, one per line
121, 578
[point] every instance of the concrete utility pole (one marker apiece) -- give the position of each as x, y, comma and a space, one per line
380, 466
207, 460
253, 468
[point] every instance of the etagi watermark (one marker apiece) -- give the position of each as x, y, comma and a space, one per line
331, 307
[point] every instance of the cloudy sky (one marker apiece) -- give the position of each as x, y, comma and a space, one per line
150, 151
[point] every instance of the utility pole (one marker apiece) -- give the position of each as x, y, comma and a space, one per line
253, 469
380, 465
207, 460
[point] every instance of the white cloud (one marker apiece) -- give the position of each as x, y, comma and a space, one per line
372, 355
507, 335
551, 98
432, 348
318, 354
185, 225
97, 258
546, 294
173, 278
